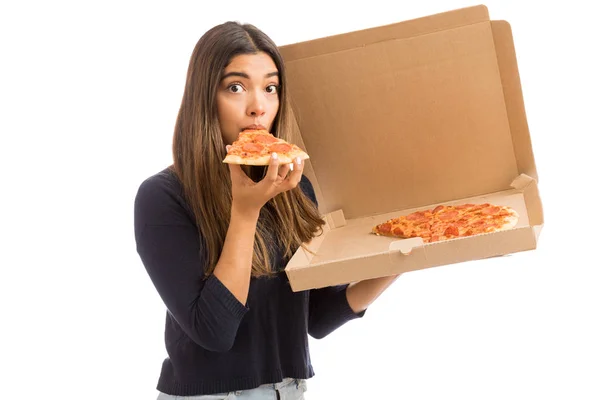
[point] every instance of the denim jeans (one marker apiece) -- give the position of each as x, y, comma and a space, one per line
288, 389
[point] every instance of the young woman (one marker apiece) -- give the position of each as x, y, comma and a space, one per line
215, 238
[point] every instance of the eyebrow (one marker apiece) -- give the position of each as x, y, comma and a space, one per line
244, 75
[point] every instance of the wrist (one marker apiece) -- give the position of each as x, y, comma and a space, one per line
244, 214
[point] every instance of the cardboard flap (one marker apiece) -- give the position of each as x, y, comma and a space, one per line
415, 113
405, 246
526, 184
335, 219
515, 106
405, 29
521, 182
537, 230
535, 210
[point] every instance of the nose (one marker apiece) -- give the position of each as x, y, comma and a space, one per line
256, 105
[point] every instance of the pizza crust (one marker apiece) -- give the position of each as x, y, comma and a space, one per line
235, 159
264, 160
511, 220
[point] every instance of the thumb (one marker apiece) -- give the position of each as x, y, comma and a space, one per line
234, 169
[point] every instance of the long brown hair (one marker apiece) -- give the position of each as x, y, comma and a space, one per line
287, 220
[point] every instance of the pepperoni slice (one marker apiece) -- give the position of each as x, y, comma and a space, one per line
490, 210
417, 216
451, 231
448, 215
280, 148
438, 209
253, 147
265, 139
385, 227
398, 232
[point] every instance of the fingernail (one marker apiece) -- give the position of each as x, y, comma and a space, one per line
274, 156
298, 160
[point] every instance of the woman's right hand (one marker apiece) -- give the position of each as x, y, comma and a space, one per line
249, 196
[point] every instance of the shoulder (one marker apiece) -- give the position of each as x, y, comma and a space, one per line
159, 200
159, 187
165, 180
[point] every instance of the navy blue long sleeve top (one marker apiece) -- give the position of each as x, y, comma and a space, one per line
215, 343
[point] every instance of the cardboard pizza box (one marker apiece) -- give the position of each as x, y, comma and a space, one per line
404, 117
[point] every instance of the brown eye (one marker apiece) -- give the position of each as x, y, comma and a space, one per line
235, 88
272, 89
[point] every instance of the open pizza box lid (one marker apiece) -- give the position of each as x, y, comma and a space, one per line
404, 117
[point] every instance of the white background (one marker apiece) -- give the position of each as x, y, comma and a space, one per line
89, 95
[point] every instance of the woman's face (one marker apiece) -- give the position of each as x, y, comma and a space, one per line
248, 95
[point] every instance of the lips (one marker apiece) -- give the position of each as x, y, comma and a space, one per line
255, 127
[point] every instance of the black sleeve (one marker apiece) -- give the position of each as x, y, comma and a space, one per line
169, 246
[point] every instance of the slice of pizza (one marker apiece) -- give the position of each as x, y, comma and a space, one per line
464, 220
254, 147
493, 218
417, 224
449, 222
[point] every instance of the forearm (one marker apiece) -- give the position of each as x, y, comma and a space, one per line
235, 264
361, 294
